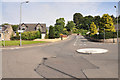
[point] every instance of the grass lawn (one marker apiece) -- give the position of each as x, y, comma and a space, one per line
14, 43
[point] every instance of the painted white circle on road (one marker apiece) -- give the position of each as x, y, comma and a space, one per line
92, 50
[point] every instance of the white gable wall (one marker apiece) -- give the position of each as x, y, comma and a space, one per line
43, 36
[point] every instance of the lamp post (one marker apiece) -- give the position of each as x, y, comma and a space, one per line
21, 19
117, 22
3, 38
104, 35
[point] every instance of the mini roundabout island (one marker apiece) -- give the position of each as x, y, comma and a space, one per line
92, 51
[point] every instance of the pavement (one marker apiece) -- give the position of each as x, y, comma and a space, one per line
62, 60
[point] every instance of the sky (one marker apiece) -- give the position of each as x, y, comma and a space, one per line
119, 8
0, 12
48, 12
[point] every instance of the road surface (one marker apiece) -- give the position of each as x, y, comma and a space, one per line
62, 60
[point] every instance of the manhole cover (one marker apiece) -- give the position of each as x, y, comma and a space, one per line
92, 50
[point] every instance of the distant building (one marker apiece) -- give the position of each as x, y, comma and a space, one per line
35, 27
6, 32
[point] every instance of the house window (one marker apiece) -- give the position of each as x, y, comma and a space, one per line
23, 28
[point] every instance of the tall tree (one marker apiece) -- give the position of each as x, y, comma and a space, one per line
107, 24
70, 25
15, 27
60, 24
97, 21
119, 19
77, 18
93, 29
114, 19
51, 32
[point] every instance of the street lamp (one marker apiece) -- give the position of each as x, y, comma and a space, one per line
104, 35
21, 19
3, 38
117, 21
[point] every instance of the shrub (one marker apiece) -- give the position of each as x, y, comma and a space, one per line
51, 32
108, 35
30, 35
83, 32
15, 38
46, 36
57, 34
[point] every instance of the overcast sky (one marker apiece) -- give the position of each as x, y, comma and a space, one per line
48, 12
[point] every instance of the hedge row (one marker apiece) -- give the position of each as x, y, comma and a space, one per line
31, 35
108, 35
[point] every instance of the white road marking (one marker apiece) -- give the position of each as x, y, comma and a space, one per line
76, 41
92, 50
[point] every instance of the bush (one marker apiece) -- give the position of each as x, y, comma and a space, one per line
31, 35
51, 32
46, 36
108, 35
75, 30
15, 38
83, 32
27, 35
57, 34
65, 32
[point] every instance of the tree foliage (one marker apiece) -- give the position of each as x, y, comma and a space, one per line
51, 32
29, 35
97, 21
119, 19
93, 29
78, 18
60, 24
114, 19
70, 25
107, 24
15, 27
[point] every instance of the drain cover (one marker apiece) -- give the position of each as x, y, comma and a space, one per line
92, 50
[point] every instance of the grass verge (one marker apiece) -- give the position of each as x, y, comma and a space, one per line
15, 43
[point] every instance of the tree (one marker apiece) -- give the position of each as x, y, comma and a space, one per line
119, 19
57, 34
97, 21
15, 27
51, 32
70, 25
87, 20
5, 24
107, 24
39, 33
93, 29
114, 19
60, 24
65, 31
77, 18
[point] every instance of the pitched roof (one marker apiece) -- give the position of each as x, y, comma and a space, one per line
32, 27
4, 27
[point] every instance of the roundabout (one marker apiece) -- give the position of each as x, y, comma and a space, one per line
92, 51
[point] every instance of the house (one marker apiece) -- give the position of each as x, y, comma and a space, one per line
35, 27
6, 32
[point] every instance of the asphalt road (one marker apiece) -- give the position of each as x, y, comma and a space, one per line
63, 60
